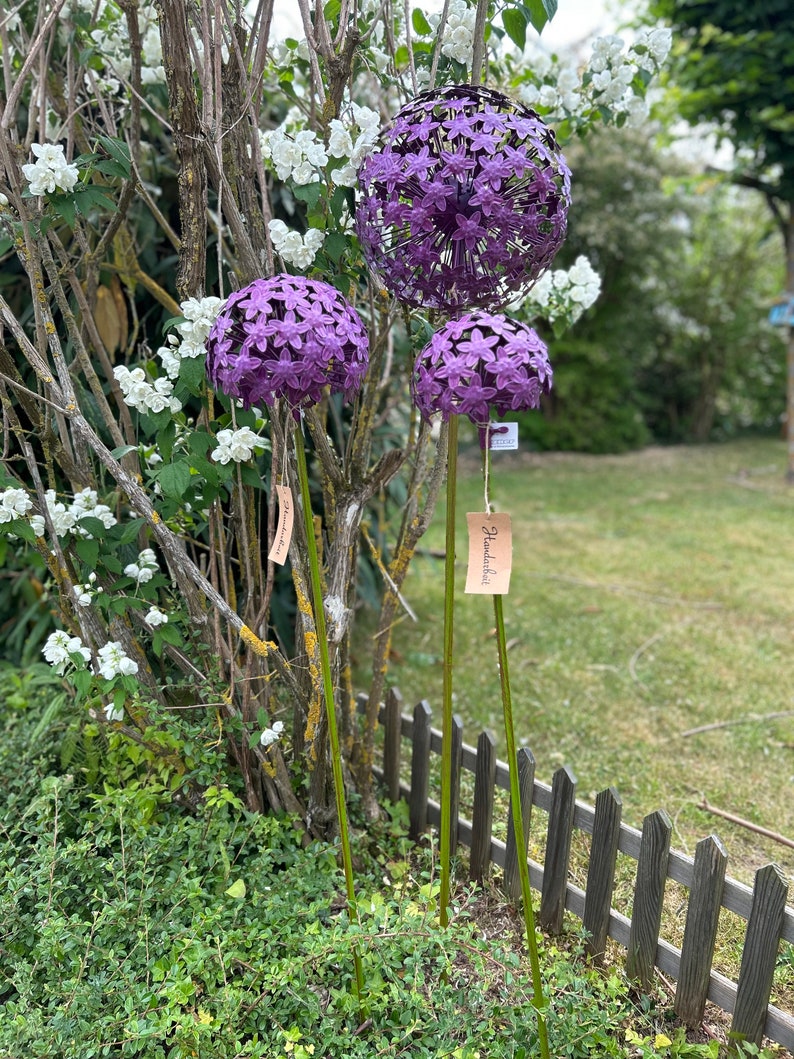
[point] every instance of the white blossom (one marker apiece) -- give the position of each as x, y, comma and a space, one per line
143, 395
113, 713
155, 617
237, 445
353, 137
145, 568
294, 248
14, 503
60, 647
85, 505
50, 172
563, 294
297, 156
458, 40
272, 735
113, 662
62, 518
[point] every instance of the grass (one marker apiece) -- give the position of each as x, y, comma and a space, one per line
651, 594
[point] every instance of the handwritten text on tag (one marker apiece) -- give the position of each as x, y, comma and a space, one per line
286, 514
490, 553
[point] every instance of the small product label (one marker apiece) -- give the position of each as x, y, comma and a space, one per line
503, 436
490, 553
286, 514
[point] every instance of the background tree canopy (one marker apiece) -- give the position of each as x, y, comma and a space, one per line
677, 347
734, 66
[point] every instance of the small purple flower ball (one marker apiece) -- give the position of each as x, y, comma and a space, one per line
481, 364
465, 202
287, 337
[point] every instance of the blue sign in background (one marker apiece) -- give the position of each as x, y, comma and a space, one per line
782, 313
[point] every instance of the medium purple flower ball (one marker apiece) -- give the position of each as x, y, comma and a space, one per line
287, 337
465, 202
481, 364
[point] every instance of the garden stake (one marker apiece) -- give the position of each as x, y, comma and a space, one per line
539, 1001
328, 689
515, 790
446, 697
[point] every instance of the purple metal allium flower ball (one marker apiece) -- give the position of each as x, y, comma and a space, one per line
287, 337
465, 202
480, 364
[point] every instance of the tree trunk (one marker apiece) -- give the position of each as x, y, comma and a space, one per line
789, 237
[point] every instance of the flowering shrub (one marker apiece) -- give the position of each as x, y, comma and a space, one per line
164, 171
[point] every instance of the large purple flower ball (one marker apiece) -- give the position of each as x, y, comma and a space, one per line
287, 337
465, 202
479, 365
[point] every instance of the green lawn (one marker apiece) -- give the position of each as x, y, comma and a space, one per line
651, 593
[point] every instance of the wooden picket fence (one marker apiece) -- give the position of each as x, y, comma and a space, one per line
769, 920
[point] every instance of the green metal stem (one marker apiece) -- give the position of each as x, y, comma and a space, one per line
328, 688
446, 696
518, 829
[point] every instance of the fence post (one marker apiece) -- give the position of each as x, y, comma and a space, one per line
420, 771
700, 930
759, 954
457, 762
646, 912
558, 850
392, 743
482, 809
601, 870
526, 785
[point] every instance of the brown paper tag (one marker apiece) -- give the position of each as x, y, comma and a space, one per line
490, 553
286, 514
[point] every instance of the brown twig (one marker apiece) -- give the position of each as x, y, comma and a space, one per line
752, 719
748, 824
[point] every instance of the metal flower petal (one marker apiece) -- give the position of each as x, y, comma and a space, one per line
465, 202
480, 365
287, 337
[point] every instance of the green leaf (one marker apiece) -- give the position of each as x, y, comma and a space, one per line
199, 442
237, 890
335, 245
93, 198
420, 23
174, 480
94, 526
515, 23
111, 168
401, 57
192, 372
126, 532
22, 528
118, 150
536, 12
308, 193
170, 634
64, 206
88, 551
166, 436
342, 283
122, 450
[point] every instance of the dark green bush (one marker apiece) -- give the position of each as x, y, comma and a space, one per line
592, 407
